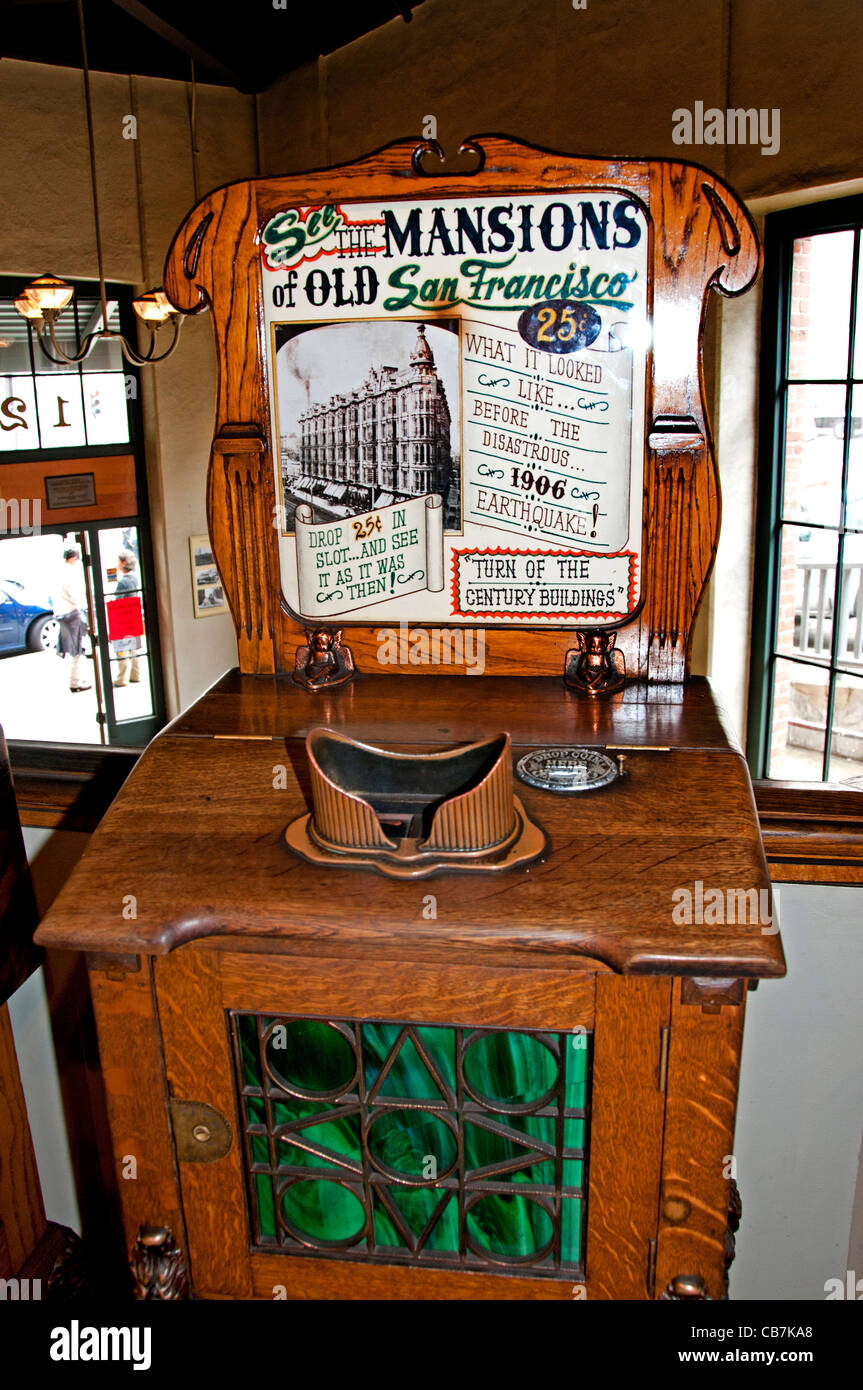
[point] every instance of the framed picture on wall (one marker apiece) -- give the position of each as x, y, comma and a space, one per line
207, 594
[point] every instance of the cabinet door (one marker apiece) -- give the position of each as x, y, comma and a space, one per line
383, 1129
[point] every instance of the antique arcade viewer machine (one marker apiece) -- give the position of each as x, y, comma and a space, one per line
404, 943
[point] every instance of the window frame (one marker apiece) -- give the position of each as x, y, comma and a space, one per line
781, 229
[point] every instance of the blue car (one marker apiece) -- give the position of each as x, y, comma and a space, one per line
27, 622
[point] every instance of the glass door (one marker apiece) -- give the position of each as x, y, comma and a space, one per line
128, 668
78, 660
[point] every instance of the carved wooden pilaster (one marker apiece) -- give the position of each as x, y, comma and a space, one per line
238, 491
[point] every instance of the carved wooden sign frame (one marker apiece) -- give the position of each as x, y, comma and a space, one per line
249, 249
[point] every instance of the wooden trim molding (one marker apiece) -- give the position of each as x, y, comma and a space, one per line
55, 791
812, 834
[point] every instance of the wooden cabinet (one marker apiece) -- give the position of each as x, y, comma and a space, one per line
559, 1048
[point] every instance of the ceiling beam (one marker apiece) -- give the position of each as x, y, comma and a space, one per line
166, 31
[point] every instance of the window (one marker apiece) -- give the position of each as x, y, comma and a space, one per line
72, 479
806, 683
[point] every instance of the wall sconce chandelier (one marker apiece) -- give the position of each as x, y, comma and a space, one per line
44, 299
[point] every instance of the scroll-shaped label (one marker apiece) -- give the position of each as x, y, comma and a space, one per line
370, 558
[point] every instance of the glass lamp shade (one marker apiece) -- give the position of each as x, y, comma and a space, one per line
48, 293
154, 307
27, 309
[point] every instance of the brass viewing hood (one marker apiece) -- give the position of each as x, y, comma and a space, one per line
409, 815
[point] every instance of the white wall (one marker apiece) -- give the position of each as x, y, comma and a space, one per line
800, 1112
31, 1029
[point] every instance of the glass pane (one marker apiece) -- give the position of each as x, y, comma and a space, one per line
18, 426
105, 408
126, 626
798, 724
849, 640
814, 430
416, 1208
411, 1143
570, 1229
67, 340
849, 651
854, 502
846, 745
408, 1075
43, 696
807, 584
61, 413
338, 1134
106, 355
14, 341
509, 1069
484, 1148
326, 1211
820, 306
511, 1227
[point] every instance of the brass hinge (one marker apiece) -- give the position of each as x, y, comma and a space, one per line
201, 1134
664, 1040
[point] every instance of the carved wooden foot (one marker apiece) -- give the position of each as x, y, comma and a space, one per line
685, 1288
157, 1265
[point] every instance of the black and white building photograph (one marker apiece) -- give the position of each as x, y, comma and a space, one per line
368, 415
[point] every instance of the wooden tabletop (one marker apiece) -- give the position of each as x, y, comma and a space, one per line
196, 836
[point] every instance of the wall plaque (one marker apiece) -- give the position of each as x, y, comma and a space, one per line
71, 490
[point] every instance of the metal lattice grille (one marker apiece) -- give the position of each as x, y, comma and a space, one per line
460, 1147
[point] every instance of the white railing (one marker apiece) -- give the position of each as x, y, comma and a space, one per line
813, 623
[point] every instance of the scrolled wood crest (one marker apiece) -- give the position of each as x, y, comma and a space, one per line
514, 519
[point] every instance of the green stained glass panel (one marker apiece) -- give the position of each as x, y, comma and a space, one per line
412, 1142
409, 1078
509, 1068
511, 1226
575, 1088
307, 1055
326, 1211
447, 1110
255, 1111
482, 1148
416, 1206
340, 1134
573, 1134
266, 1206
247, 1037
573, 1172
570, 1229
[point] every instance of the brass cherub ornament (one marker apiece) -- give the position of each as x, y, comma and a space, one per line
324, 663
595, 667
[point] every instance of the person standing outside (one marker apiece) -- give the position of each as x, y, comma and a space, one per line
127, 648
70, 610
